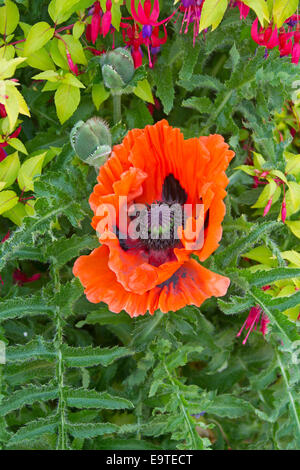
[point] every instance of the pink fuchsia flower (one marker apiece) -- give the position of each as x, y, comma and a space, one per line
244, 9
73, 67
21, 278
268, 207
285, 42
267, 37
94, 29
133, 38
191, 14
296, 47
255, 318
3, 112
106, 19
148, 18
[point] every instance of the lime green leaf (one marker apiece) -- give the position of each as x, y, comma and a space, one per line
247, 169
294, 226
41, 60
271, 190
292, 256
39, 35
143, 91
78, 29
8, 67
9, 168
261, 254
16, 214
7, 52
9, 18
212, 13
18, 145
293, 198
258, 161
293, 163
70, 79
8, 199
30, 169
116, 15
99, 94
49, 75
67, 99
59, 59
283, 9
75, 49
2, 185
260, 7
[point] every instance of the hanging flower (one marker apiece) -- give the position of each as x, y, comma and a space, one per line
148, 17
244, 10
156, 168
94, 29
191, 15
255, 318
296, 47
267, 37
133, 38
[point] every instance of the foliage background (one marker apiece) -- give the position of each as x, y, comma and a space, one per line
80, 377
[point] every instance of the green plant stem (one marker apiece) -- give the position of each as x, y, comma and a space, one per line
61, 440
117, 108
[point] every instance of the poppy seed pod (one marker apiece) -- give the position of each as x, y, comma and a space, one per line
91, 140
117, 69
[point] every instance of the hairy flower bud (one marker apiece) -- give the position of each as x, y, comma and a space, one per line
117, 69
91, 140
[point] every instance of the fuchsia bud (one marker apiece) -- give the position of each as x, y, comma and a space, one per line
73, 67
283, 210
106, 19
96, 22
268, 207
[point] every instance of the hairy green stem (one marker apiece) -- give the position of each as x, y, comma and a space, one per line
117, 108
61, 440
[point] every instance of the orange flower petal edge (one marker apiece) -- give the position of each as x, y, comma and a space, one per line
153, 173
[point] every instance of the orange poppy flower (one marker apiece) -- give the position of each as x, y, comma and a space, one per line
140, 274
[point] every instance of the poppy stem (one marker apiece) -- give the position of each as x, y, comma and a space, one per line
117, 108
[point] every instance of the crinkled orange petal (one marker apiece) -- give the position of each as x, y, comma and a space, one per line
191, 284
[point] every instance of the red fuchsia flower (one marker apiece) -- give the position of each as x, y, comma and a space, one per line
267, 37
3, 154
21, 278
296, 47
3, 112
244, 9
106, 19
73, 67
285, 43
191, 14
94, 29
11, 136
148, 16
268, 207
133, 38
5, 237
292, 21
151, 107
255, 318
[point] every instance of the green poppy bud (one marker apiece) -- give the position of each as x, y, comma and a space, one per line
91, 140
117, 69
